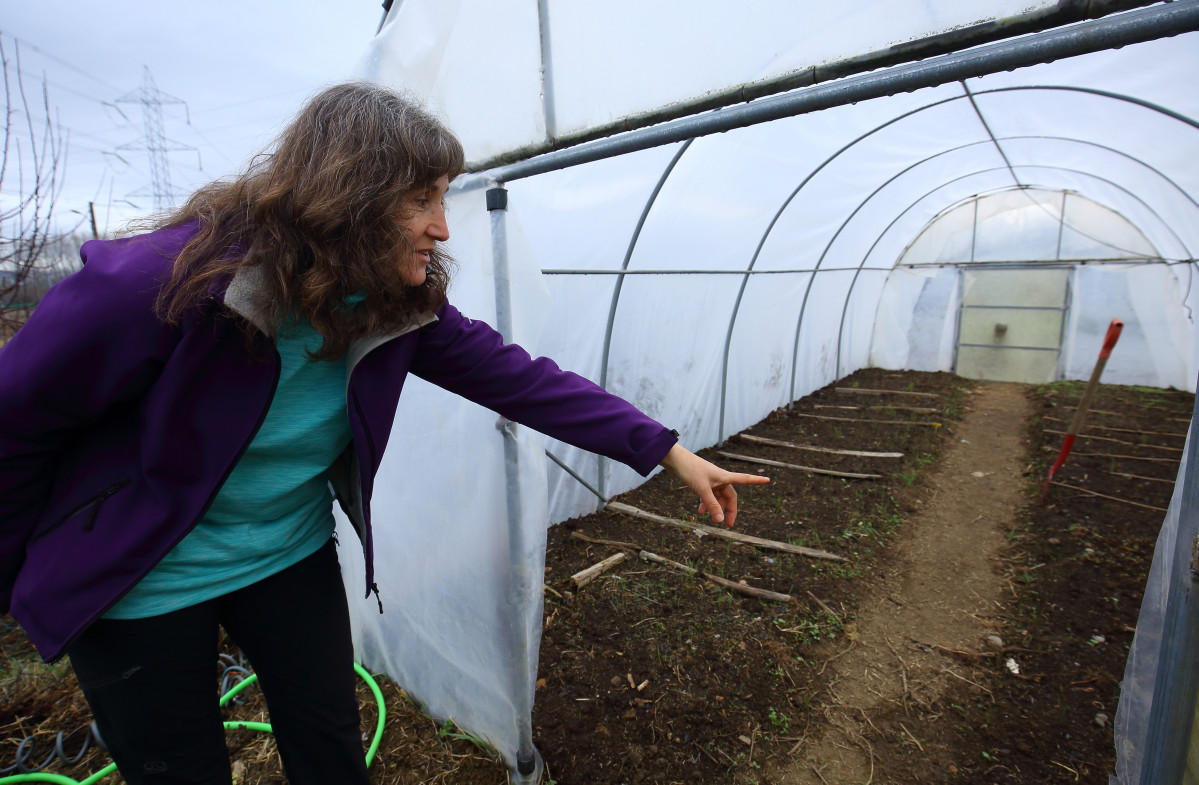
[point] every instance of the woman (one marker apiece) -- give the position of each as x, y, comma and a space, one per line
173, 416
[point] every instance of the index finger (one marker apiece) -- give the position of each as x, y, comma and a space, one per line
747, 479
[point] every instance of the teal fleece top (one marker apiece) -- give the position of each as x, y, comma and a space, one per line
275, 508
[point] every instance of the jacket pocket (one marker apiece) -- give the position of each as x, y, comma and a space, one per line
89, 507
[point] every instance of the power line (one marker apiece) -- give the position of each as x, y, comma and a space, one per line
60, 86
260, 99
62, 62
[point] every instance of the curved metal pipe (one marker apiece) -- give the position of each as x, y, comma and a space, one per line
857, 271
624, 265
1067, 88
1011, 168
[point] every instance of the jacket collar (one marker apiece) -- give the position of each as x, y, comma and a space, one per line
241, 296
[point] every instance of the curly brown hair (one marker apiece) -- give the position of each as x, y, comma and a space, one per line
317, 216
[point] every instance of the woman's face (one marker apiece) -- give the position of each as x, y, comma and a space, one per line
423, 218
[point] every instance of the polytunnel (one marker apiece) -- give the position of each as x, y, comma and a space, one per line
714, 211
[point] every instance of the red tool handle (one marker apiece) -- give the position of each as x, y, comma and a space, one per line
1109, 341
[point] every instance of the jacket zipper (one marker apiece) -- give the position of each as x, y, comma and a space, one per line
109, 491
352, 397
211, 498
93, 503
370, 443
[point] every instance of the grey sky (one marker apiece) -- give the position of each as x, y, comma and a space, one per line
242, 68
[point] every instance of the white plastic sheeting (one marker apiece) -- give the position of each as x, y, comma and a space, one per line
460, 588
1169, 574
509, 74
1027, 229
760, 265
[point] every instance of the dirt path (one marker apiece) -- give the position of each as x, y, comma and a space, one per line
939, 594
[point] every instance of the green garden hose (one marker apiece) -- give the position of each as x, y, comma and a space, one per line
39, 776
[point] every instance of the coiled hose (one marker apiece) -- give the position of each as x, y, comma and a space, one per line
45, 776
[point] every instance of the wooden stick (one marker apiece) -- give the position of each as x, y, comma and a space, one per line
920, 409
1111, 498
811, 448
727, 534
586, 576
809, 469
749, 591
1128, 476
1139, 406
850, 419
867, 391
917, 409
826, 608
1115, 455
1121, 430
1119, 441
1121, 414
628, 546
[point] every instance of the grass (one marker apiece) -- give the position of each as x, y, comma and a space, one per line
450, 730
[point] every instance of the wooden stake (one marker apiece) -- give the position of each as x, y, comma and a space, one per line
809, 469
1111, 498
1121, 430
867, 391
1122, 457
628, 546
850, 419
727, 534
1128, 476
1118, 441
918, 409
748, 591
810, 448
826, 608
585, 577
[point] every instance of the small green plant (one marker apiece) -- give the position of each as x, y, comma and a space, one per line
450, 730
778, 721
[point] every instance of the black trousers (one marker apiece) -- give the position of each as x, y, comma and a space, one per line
152, 683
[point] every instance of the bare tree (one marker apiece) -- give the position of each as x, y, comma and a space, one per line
31, 174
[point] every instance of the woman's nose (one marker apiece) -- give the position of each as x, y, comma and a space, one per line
439, 228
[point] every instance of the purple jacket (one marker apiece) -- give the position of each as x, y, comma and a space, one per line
116, 431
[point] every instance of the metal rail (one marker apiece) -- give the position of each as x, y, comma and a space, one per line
1111, 32
1063, 13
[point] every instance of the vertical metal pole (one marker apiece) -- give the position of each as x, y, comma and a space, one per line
1177, 678
974, 230
1061, 228
1059, 370
497, 208
957, 327
527, 768
548, 110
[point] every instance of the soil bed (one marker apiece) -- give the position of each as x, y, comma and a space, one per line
728, 682
649, 675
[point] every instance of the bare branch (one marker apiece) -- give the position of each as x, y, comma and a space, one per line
33, 255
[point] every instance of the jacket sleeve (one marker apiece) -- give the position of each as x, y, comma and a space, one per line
468, 357
92, 344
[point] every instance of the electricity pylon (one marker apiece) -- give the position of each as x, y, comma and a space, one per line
155, 142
